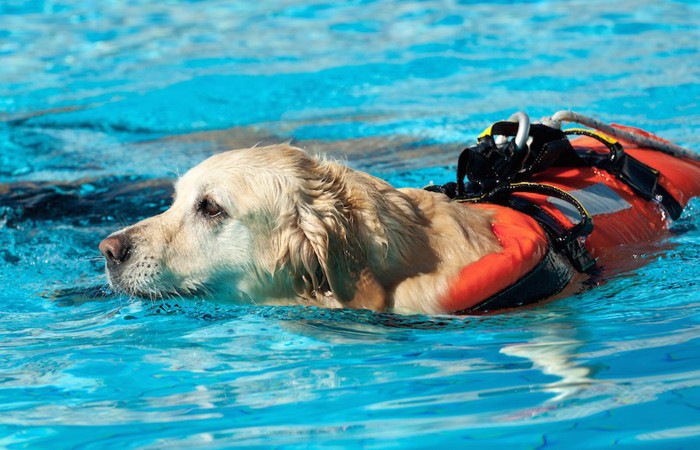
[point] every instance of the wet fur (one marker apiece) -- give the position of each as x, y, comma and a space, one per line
298, 229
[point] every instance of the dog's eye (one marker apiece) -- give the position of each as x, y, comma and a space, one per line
209, 208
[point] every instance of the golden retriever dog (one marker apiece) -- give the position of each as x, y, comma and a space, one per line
274, 225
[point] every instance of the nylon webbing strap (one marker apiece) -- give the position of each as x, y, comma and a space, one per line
568, 241
548, 278
642, 179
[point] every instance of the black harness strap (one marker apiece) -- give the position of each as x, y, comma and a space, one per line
566, 252
642, 179
548, 278
569, 241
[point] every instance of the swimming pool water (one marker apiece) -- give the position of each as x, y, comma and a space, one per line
102, 104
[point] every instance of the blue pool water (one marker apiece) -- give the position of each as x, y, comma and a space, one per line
103, 103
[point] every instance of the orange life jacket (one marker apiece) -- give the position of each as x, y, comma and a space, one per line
527, 260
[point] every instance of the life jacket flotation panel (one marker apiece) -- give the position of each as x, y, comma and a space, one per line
528, 268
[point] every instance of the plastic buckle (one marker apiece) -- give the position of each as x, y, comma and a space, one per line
578, 254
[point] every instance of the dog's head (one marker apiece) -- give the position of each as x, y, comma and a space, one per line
261, 223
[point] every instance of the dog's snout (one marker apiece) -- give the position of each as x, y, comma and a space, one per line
116, 249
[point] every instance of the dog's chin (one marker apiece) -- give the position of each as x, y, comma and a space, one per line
161, 293
155, 289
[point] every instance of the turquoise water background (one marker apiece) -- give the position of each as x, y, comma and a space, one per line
103, 103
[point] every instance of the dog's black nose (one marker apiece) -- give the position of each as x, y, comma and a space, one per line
116, 249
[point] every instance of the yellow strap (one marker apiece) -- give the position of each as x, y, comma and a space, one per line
585, 131
486, 132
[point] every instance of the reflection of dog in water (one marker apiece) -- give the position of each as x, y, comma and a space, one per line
273, 225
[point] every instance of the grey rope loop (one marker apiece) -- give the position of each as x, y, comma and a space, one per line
644, 141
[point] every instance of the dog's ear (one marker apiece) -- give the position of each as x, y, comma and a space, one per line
331, 253
333, 260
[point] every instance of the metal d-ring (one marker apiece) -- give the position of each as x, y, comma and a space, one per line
523, 129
